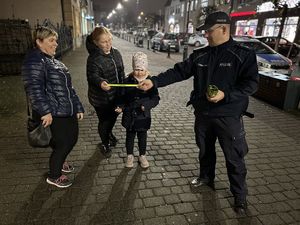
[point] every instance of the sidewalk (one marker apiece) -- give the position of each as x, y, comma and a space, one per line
104, 192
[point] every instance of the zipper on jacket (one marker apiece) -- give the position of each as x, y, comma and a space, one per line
117, 74
69, 94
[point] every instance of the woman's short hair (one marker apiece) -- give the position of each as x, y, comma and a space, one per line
98, 31
44, 32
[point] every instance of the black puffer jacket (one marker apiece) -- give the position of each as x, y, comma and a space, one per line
131, 101
103, 67
48, 86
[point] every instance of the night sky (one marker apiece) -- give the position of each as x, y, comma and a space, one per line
147, 6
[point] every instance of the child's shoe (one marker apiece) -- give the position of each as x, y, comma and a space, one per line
129, 163
143, 161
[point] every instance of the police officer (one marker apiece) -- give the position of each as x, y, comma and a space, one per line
233, 70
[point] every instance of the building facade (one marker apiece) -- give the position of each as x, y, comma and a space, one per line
248, 17
77, 14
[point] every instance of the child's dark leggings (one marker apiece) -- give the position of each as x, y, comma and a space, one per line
142, 141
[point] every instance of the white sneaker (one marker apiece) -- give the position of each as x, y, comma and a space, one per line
143, 161
129, 163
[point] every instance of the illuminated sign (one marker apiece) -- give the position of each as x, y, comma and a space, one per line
248, 13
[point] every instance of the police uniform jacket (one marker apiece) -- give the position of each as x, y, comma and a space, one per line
229, 66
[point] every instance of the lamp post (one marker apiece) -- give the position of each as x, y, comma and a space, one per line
185, 46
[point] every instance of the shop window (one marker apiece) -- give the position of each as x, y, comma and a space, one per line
171, 28
272, 25
190, 28
204, 3
246, 27
176, 28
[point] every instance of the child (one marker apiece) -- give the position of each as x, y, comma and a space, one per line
136, 105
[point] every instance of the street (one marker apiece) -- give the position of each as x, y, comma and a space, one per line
105, 192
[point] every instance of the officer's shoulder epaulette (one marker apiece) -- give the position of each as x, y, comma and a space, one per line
201, 49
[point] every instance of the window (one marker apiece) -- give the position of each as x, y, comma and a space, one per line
272, 25
192, 6
182, 10
177, 9
204, 3
246, 27
172, 11
196, 4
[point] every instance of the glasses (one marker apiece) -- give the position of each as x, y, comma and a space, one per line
212, 30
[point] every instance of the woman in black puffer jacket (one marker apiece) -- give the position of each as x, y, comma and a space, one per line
53, 101
104, 66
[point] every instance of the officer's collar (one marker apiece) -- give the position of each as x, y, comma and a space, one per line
225, 45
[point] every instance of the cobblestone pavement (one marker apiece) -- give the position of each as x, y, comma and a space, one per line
104, 192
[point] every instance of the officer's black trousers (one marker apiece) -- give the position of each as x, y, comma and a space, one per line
231, 136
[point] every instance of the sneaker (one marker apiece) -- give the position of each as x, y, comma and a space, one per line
61, 182
129, 163
143, 161
112, 140
106, 151
67, 168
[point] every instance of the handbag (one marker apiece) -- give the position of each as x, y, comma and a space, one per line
40, 136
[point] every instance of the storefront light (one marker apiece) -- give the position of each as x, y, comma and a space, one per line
237, 14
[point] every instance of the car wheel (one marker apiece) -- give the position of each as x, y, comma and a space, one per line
197, 44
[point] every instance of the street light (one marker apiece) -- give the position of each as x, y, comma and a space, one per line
119, 6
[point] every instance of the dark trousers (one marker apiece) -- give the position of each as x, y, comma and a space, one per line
107, 118
142, 141
231, 135
64, 137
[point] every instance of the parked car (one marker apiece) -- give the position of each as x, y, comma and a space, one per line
181, 37
197, 40
151, 33
162, 41
267, 58
283, 47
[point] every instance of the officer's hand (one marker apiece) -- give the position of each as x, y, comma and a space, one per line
218, 97
145, 85
104, 86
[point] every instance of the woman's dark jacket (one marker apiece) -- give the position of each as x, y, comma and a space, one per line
48, 86
131, 101
103, 67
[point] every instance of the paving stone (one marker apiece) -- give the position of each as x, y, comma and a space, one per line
104, 192
164, 210
270, 219
154, 201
